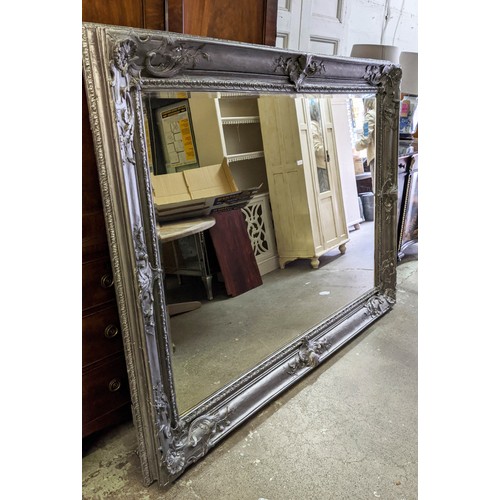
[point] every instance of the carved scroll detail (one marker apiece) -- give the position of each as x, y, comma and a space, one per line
122, 82
308, 355
173, 57
146, 277
203, 428
299, 68
388, 274
164, 61
374, 306
389, 196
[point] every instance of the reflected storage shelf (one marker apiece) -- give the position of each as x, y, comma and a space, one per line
228, 125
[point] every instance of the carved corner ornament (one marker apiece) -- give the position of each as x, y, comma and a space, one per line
134, 55
184, 445
299, 68
378, 304
388, 77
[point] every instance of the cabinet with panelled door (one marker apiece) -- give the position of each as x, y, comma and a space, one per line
303, 177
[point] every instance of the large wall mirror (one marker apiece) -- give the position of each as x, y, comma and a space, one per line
233, 221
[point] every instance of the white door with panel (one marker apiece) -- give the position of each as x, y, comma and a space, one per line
311, 25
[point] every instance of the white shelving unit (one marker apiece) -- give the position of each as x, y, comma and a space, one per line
228, 125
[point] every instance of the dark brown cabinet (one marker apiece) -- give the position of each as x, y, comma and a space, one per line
106, 394
407, 203
252, 21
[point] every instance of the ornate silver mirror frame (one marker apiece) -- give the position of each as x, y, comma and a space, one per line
119, 64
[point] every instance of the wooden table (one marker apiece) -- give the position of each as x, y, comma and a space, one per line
175, 230
170, 231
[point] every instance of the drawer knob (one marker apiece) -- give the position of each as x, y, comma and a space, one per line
107, 281
111, 331
114, 385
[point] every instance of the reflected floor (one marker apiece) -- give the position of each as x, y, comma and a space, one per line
228, 336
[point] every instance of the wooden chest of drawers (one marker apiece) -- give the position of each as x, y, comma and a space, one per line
106, 396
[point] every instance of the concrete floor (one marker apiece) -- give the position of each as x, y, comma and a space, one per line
230, 335
347, 431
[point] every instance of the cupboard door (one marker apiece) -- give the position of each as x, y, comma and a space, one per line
327, 189
285, 167
138, 14
252, 21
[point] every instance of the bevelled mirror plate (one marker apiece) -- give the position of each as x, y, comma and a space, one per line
188, 93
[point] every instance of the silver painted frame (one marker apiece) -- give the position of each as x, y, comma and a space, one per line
119, 64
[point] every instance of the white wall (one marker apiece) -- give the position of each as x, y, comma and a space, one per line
386, 22
333, 26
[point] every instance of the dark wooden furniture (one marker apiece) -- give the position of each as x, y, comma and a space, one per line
252, 21
364, 183
106, 395
407, 203
230, 239
106, 398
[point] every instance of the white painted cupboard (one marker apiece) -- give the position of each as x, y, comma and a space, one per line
303, 177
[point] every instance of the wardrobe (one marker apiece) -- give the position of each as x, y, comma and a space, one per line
303, 177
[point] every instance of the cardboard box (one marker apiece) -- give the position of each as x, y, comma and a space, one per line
198, 192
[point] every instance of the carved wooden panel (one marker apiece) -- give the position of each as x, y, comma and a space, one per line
261, 232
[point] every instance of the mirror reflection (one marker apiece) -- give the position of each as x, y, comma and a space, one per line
265, 213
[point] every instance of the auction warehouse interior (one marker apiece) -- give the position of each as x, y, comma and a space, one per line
250, 249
